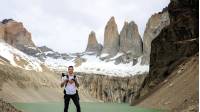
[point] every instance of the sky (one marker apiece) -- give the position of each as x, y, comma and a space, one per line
64, 25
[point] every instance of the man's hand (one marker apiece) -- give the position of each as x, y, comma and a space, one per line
64, 82
71, 81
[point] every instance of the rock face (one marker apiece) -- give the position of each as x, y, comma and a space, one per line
130, 40
93, 45
154, 26
111, 39
2, 32
2, 29
176, 42
123, 48
14, 33
130, 44
110, 88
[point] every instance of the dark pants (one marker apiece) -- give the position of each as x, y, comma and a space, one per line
75, 99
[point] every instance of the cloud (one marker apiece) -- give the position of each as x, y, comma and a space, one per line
64, 25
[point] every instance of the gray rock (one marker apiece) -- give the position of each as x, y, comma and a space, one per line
93, 45
135, 61
130, 40
111, 40
53, 54
154, 26
45, 49
125, 58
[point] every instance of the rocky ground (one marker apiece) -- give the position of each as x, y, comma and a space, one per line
7, 107
19, 85
179, 92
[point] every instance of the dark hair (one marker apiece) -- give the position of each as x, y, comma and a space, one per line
70, 67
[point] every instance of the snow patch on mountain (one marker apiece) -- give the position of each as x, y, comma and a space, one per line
18, 58
118, 55
104, 55
58, 64
94, 65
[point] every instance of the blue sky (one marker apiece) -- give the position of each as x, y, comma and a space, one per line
64, 25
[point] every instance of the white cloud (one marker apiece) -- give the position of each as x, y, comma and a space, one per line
64, 25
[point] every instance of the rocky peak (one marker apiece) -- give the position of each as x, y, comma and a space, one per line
92, 38
130, 40
93, 45
48, 52
111, 39
45, 49
153, 27
16, 35
6, 21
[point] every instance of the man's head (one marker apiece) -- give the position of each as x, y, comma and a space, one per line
70, 70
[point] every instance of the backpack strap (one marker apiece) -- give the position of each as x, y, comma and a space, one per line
65, 85
67, 76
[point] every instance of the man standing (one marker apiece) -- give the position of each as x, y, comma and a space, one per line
71, 84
